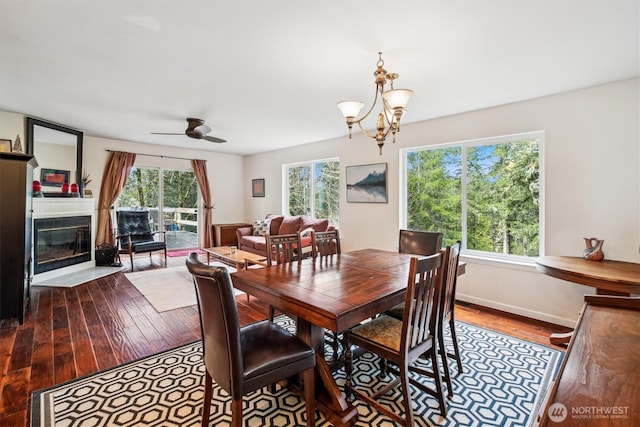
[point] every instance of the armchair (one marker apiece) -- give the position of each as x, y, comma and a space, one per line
134, 235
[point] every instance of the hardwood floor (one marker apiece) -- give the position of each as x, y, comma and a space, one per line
72, 332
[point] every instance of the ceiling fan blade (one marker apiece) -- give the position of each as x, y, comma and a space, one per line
214, 139
165, 133
202, 129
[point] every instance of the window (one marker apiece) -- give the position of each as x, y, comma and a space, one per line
172, 199
313, 189
495, 210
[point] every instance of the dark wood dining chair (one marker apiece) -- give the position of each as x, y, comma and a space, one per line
324, 245
447, 308
401, 342
283, 249
248, 358
416, 242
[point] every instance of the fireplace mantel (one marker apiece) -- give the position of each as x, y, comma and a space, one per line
56, 207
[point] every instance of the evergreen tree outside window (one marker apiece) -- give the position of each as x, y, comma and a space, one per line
313, 189
484, 192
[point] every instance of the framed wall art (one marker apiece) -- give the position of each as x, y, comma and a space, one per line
54, 177
257, 187
5, 145
367, 183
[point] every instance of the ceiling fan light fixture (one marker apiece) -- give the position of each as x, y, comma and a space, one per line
393, 103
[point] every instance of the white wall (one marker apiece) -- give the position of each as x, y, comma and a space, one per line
592, 167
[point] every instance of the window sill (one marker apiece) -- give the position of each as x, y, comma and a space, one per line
524, 264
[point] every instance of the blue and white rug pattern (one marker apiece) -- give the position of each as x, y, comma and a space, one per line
502, 384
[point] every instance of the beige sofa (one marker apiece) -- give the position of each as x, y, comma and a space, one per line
249, 240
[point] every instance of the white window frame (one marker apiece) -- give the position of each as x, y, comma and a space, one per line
285, 182
481, 256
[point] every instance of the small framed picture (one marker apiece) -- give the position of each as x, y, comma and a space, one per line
257, 187
5, 145
367, 183
54, 177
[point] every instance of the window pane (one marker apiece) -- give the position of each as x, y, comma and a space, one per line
502, 198
300, 190
327, 191
434, 192
141, 189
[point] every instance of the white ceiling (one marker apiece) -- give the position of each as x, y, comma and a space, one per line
268, 74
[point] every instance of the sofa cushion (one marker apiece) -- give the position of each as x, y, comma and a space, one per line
252, 241
316, 224
276, 220
261, 227
290, 225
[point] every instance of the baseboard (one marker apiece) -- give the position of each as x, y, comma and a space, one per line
520, 311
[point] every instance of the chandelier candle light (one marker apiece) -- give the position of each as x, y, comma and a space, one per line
393, 103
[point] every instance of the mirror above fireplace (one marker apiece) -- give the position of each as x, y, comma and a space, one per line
57, 148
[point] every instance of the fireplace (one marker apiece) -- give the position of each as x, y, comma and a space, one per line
61, 242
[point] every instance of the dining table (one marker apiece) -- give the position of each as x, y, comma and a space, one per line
335, 293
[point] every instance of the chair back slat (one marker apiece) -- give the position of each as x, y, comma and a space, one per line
425, 273
448, 294
284, 248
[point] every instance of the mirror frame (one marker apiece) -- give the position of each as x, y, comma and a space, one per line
31, 122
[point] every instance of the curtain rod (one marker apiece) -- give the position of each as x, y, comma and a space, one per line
152, 155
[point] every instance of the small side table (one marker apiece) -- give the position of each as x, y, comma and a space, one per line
225, 234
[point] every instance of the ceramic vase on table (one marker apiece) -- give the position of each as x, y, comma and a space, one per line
593, 250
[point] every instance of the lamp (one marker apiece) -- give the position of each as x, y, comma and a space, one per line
393, 103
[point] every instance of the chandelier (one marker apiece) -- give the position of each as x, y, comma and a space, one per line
393, 103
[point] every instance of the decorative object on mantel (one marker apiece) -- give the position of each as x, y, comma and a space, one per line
85, 182
593, 251
54, 177
65, 188
17, 146
393, 103
37, 189
5, 145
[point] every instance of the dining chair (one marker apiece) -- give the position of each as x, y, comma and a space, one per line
324, 245
416, 242
401, 342
244, 359
447, 308
283, 249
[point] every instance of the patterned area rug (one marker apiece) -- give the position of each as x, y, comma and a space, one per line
504, 378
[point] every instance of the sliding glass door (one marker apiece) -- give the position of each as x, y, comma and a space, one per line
171, 196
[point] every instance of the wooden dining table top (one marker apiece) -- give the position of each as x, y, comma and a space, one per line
336, 294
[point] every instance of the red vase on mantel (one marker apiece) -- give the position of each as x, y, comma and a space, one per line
593, 251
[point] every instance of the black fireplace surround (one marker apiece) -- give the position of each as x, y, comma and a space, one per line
61, 242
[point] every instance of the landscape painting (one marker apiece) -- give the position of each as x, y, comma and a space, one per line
367, 183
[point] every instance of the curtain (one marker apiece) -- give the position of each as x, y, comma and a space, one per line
200, 169
114, 178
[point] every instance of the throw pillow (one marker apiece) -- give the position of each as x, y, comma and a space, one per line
261, 227
306, 232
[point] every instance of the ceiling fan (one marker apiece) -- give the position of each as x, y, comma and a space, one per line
196, 129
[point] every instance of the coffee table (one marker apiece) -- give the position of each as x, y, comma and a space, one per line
234, 257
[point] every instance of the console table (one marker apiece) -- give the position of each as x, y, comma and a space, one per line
608, 277
599, 380
225, 234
